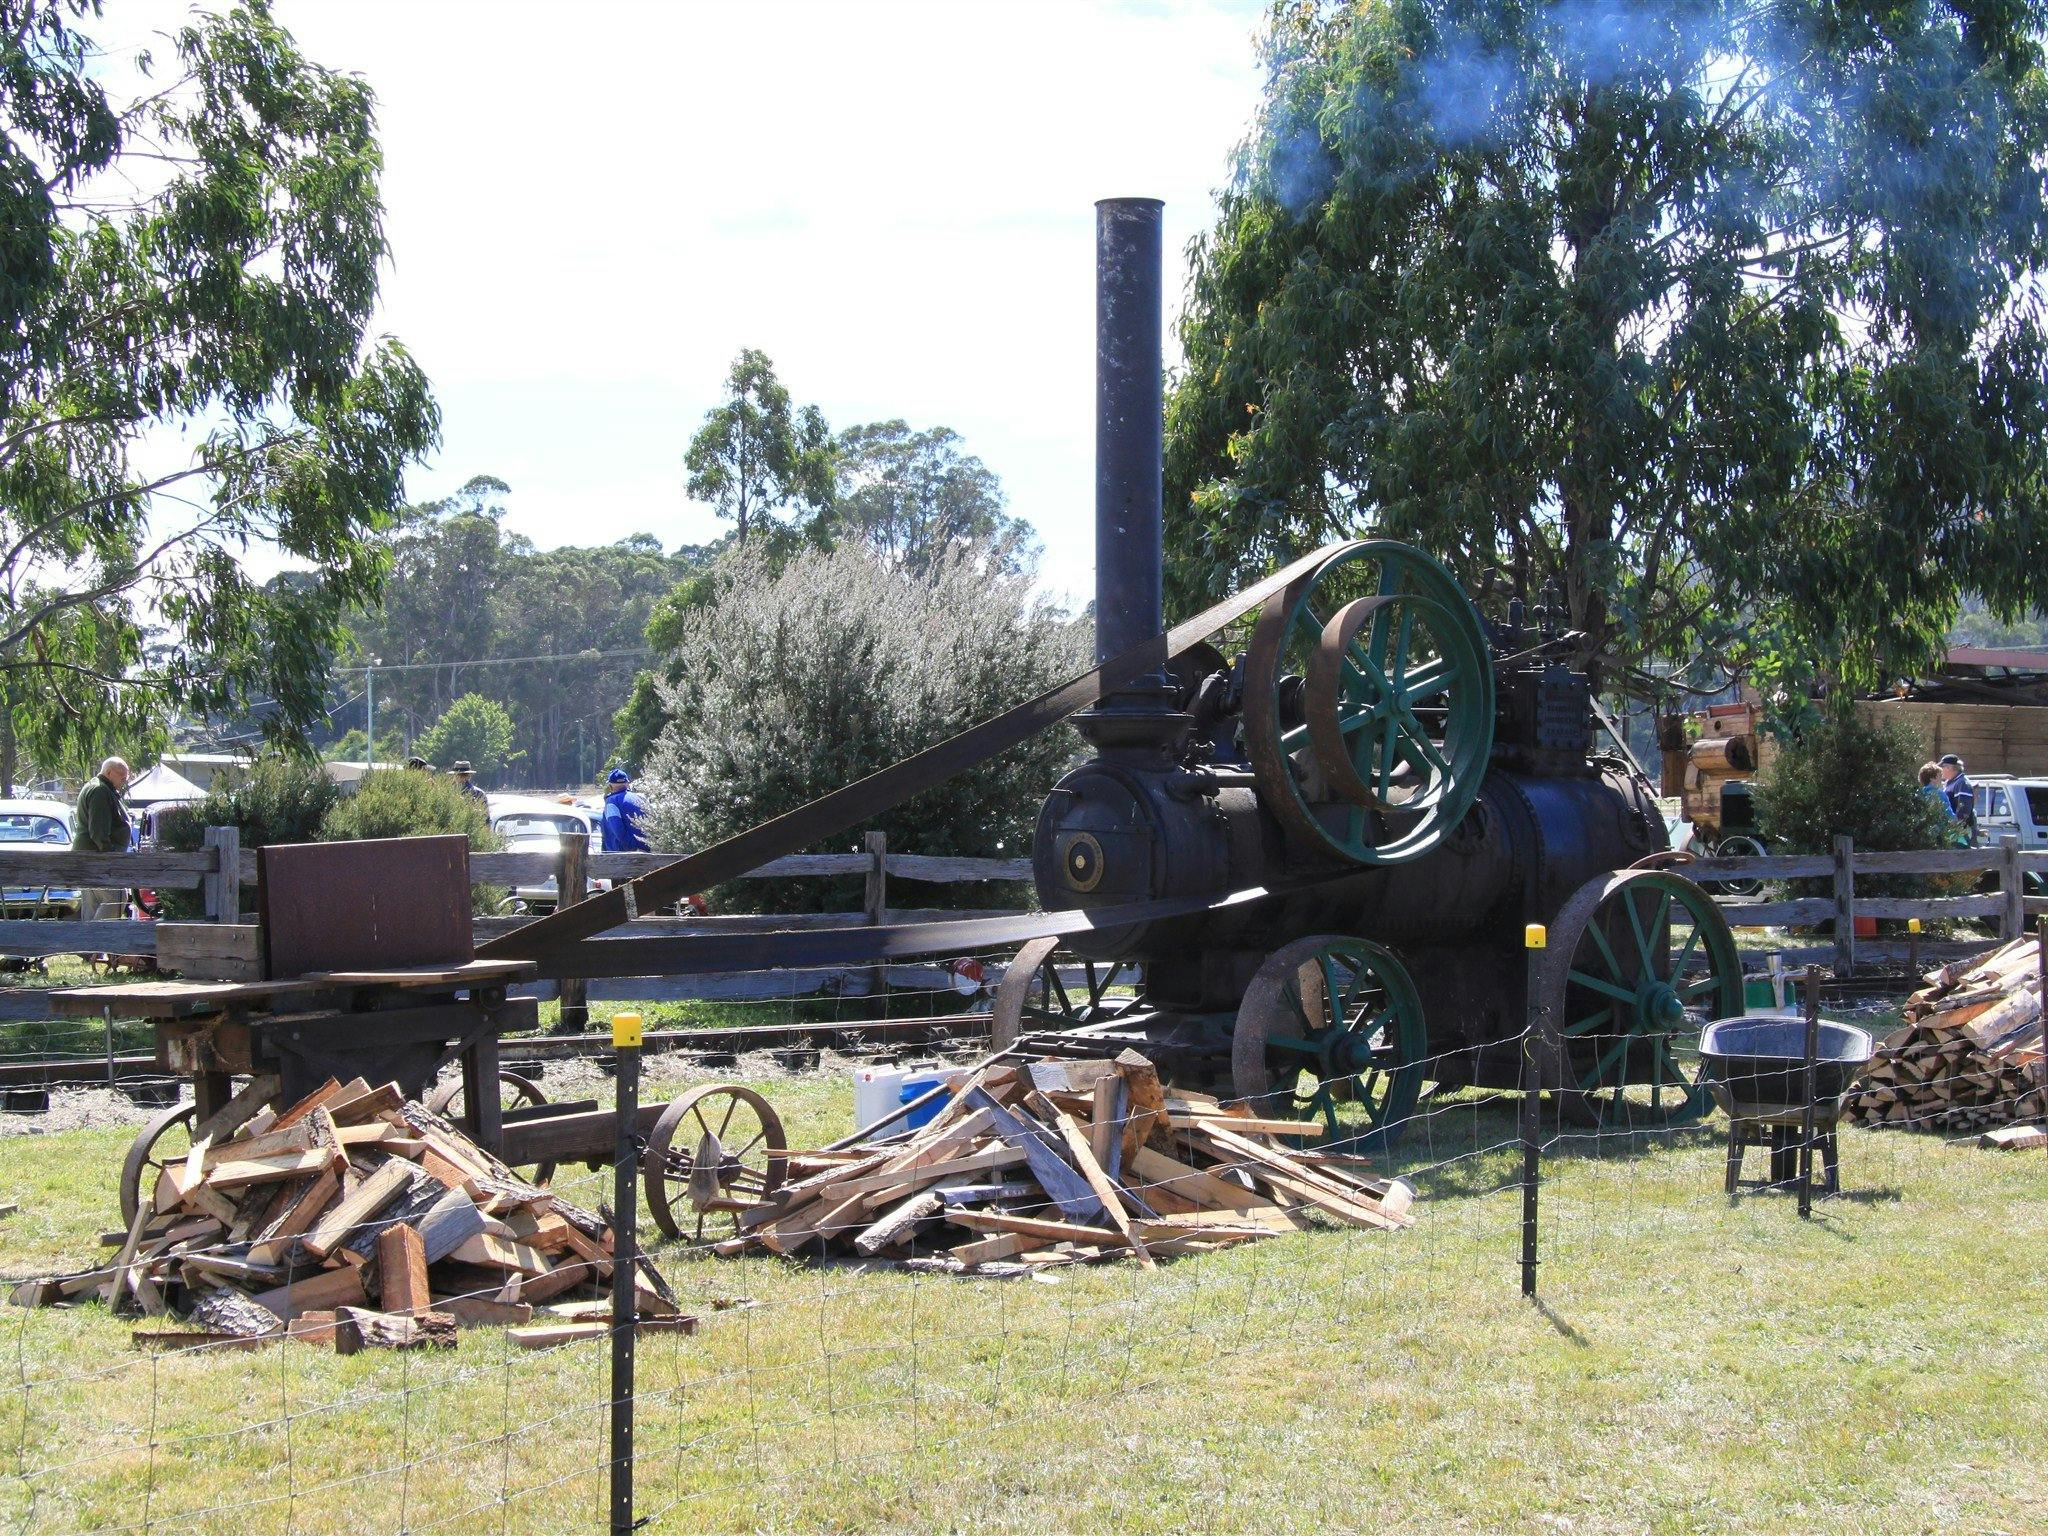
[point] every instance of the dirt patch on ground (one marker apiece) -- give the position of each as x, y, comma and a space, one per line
78, 1109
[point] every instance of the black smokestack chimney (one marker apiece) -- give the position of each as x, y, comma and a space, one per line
1130, 425
1130, 431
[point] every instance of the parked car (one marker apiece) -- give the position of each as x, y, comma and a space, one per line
2007, 806
536, 824
41, 826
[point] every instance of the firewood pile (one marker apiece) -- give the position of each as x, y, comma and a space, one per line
1030, 1165
1968, 1057
354, 1217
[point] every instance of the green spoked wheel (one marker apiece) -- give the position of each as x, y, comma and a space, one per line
1331, 1027
1637, 963
1368, 704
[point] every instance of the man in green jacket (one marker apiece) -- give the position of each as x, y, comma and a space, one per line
102, 828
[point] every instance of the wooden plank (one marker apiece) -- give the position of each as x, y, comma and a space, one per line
1198, 1184
276, 1239
1925, 861
46, 936
1930, 907
1083, 1157
382, 1187
1798, 913
64, 870
1036, 1227
328, 1289
1245, 1125
1845, 904
1069, 1191
402, 1270
1800, 866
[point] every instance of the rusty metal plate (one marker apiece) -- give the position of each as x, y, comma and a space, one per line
382, 904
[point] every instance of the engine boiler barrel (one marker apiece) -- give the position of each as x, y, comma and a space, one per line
1109, 834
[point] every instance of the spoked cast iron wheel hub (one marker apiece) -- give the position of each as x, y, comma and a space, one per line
1619, 997
1329, 1020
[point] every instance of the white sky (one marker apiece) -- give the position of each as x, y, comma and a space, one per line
892, 199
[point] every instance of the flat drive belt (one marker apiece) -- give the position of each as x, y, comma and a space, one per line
867, 798
697, 954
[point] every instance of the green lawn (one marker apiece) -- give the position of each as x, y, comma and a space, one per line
1693, 1368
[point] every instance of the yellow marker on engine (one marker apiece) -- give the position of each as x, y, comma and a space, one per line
1536, 936
626, 1030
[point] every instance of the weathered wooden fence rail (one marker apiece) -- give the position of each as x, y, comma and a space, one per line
224, 872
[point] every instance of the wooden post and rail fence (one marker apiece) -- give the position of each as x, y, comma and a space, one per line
225, 873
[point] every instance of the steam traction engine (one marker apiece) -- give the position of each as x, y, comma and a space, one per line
1409, 785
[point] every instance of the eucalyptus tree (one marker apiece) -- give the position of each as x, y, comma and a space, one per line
759, 454
1724, 317
194, 237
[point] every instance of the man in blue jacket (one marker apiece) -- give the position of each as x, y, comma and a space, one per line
624, 812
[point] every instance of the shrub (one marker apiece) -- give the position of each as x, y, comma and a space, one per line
790, 684
1853, 774
283, 800
398, 802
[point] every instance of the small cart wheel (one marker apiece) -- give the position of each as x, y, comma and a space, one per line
163, 1141
715, 1152
515, 1091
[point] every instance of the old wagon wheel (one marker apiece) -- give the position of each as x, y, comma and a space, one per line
163, 1141
1032, 989
716, 1151
1329, 1020
1368, 704
515, 1091
1619, 995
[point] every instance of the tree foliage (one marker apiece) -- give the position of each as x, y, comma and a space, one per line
1724, 317
280, 800
397, 802
759, 456
476, 730
916, 499
463, 588
192, 260
789, 683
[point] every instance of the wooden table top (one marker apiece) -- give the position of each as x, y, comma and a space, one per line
185, 999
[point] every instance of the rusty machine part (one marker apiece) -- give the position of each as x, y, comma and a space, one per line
715, 1151
1302, 875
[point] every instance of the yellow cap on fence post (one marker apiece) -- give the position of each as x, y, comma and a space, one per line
626, 1030
1912, 925
1536, 936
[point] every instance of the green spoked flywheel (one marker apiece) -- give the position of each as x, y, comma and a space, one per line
1637, 963
1368, 704
1331, 1027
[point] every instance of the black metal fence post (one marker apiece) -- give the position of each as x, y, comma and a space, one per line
1808, 1089
625, 1262
1536, 938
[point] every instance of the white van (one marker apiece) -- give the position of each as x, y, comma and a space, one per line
2007, 805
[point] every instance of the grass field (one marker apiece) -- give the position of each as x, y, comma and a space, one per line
1693, 1367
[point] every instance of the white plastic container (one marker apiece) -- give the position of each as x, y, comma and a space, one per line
878, 1091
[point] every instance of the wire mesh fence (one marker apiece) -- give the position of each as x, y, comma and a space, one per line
832, 1395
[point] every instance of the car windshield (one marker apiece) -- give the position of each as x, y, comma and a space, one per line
537, 826
27, 827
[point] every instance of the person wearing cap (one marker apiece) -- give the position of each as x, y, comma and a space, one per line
419, 764
624, 813
466, 777
1960, 793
